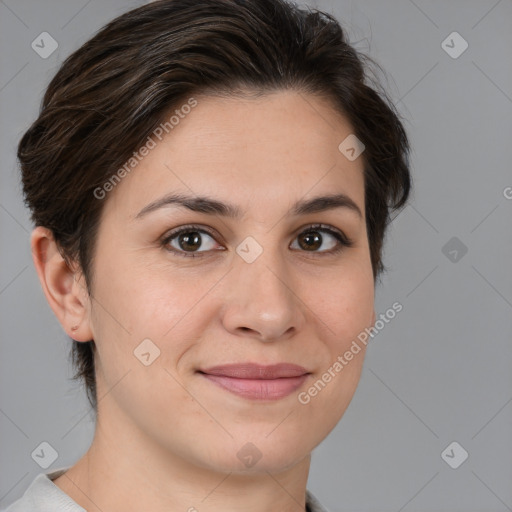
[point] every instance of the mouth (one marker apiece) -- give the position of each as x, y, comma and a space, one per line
257, 382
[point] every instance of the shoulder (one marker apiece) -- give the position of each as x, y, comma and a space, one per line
42, 495
312, 504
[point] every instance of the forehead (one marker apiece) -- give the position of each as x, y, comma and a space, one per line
264, 151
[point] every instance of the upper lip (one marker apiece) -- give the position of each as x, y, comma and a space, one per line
256, 371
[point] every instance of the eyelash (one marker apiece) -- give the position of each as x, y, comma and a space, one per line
343, 241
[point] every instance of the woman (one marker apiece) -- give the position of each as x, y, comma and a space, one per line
211, 183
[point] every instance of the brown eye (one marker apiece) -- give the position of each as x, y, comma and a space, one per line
311, 240
316, 237
187, 241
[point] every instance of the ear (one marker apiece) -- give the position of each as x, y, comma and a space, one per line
64, 287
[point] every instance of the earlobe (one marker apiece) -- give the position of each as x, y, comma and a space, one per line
63, 286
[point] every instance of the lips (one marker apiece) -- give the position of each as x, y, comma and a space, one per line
258, 382
256, 371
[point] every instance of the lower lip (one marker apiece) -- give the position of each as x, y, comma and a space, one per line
258, 389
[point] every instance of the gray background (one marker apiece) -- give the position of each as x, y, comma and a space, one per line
439, 372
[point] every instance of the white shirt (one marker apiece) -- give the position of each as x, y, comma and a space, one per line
42, 495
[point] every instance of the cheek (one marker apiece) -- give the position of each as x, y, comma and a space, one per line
346, 307
138, 301
345, 311
137, 291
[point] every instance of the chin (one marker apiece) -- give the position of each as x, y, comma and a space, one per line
257, 454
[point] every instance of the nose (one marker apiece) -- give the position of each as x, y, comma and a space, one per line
261, 299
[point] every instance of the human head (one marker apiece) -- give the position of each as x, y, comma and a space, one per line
112, 93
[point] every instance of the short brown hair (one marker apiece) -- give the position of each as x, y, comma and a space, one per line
112, 93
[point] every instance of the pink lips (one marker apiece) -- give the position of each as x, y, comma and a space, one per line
256, 381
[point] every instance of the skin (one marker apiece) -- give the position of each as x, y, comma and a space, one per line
167, 438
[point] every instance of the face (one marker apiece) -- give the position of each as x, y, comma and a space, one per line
179, 291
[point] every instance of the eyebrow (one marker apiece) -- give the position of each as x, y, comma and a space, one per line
211, 206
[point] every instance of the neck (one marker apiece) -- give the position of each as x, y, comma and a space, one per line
124, 472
